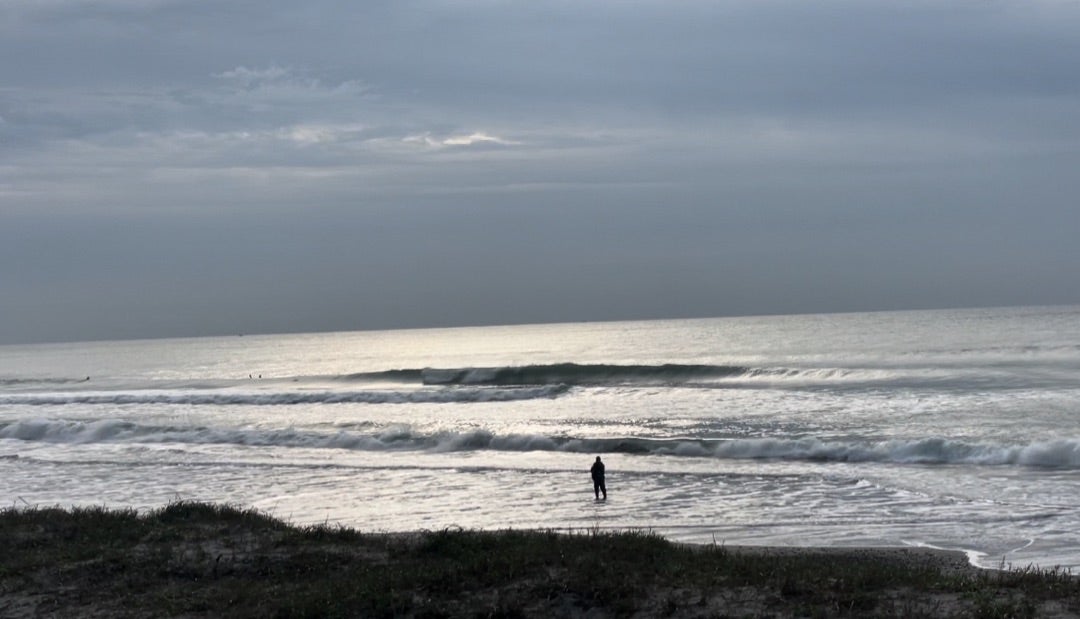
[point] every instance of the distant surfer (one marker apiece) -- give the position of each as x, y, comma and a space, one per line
597, 471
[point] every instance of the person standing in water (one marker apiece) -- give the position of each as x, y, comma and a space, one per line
597, 471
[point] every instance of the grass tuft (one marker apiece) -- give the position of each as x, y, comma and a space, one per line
191, 558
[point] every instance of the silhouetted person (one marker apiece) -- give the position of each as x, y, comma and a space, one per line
597, 471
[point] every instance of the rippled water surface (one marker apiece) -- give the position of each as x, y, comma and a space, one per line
955, 429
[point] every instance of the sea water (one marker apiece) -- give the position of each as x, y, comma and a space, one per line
953, 429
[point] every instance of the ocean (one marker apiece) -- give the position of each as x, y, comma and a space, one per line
953, 429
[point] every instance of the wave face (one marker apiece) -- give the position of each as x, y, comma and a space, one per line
577, 374
556, 374
1058, 454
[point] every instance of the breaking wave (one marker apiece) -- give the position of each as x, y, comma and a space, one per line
705, 376
1062, 454
212, 398
501, 383
596, 374
575, 374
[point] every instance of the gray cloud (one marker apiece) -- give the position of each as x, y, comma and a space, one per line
171, 167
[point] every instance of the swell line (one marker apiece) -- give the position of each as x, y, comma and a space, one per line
931, 451
565, 374
463, 395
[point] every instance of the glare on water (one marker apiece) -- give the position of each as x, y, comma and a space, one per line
947, 428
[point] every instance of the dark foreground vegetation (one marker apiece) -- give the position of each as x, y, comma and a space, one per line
194, 559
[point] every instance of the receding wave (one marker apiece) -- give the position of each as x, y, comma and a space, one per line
219, 398
1062, 454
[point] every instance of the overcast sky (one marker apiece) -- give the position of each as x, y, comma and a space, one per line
192, 167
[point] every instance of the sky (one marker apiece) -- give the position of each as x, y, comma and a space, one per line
192, 167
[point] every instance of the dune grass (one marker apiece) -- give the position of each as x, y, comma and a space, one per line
196, 559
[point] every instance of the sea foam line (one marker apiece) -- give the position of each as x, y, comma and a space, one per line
210, 398
1062, 453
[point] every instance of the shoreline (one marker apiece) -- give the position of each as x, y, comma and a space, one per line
195, 559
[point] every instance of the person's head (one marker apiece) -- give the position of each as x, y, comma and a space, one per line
597, 458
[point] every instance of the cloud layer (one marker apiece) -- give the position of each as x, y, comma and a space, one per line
172, 167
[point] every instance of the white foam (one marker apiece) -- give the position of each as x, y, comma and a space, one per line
1063, 453
226, 398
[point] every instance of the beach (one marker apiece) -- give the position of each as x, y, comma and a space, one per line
193, 559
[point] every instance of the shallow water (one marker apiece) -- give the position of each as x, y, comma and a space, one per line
954, 429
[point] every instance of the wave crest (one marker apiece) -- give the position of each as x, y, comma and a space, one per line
1062, 453
201, 398
577, 374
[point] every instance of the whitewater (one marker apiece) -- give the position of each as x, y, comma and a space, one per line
953, 429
